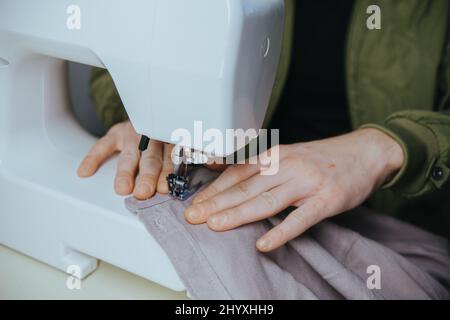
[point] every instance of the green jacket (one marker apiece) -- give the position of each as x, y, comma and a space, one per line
398, 80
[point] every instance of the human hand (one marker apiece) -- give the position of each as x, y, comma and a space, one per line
321, 178
153, 165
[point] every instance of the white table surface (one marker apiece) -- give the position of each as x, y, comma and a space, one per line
22, 277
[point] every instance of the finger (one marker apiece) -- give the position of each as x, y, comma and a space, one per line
298, 221
231, 176
127, 167
98, 154
167, 168
263, 206
149, 169
217, 167
232, 197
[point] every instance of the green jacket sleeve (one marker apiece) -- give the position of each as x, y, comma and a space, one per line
109, 107
425, 139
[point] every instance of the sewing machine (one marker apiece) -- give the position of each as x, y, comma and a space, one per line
173, 62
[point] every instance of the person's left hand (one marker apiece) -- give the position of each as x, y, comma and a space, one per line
322, 178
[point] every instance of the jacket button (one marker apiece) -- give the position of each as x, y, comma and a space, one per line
437, 173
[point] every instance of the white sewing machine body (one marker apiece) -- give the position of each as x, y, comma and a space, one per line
173, 62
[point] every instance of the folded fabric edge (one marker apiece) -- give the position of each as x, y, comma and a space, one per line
193, 268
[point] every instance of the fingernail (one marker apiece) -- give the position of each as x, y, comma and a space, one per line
82, 171
193, 214
123, 184
143, 189
86, 166
264, 243
197, 200
163, 188
218, 220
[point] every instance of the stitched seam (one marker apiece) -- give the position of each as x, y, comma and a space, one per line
196, 250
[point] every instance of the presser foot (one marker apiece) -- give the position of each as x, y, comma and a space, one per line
180, 187
181, 183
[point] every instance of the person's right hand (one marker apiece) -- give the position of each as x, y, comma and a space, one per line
151, 167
